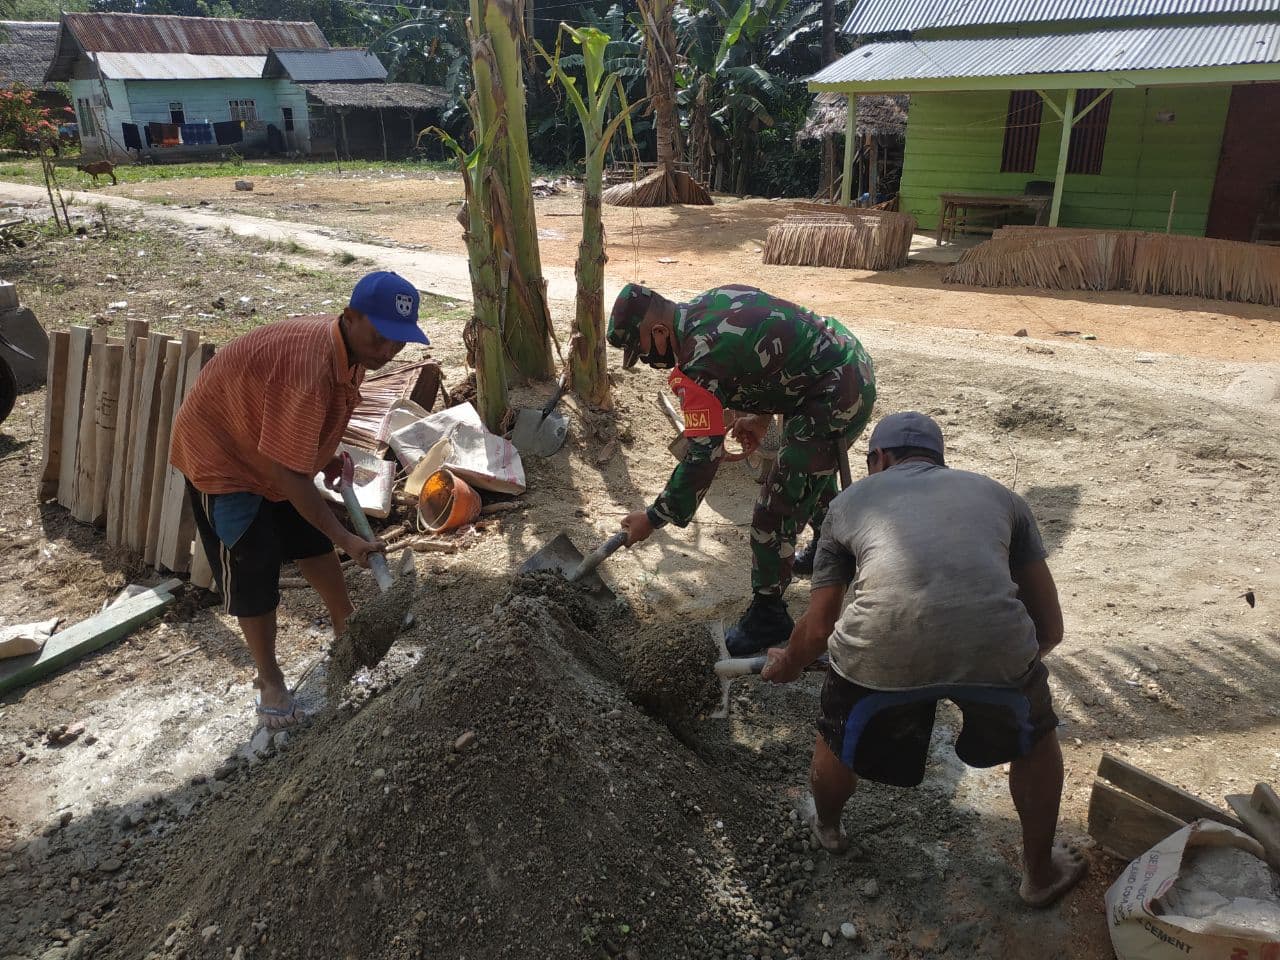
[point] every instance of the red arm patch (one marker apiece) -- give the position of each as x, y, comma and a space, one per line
703, 414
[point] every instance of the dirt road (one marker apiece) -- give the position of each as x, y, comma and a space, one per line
1152, 475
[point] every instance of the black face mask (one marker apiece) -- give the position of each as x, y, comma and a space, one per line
663, 361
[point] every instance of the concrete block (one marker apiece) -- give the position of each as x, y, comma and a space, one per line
21, 327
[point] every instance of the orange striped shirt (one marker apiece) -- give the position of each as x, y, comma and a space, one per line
280, 394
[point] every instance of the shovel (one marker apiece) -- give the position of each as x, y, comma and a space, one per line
730, 668
563, 557
541, 433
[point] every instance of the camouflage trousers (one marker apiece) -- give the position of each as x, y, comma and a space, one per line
802, 483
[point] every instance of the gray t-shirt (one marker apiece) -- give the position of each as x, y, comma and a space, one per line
929, 552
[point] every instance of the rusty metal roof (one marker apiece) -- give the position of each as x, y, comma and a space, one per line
201, 36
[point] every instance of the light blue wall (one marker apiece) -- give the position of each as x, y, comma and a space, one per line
107, 119
147, 101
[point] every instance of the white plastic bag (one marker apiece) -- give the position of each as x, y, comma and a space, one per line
1147, 906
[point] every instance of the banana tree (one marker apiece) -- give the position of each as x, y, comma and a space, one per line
486, 219
593, 103
498, 103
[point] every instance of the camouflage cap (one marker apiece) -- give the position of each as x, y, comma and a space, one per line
625, 319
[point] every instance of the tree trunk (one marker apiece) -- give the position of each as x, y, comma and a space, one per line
588, 365
500, 105
828, 176
661, 50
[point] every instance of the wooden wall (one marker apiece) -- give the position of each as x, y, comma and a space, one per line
954, 142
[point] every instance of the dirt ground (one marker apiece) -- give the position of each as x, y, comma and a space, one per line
1152, 475
681, 250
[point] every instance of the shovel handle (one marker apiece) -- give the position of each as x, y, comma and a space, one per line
597, 556
555, 397
746, 666
377, 562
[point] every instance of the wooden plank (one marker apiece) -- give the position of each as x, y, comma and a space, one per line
201, 572
1124, 825
104, 409
129, 377
87, 449
86, 636
160, 448
169, 553
72, 407
1159, 793
142, 457
55, 397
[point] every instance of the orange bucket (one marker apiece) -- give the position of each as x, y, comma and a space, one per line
447, 502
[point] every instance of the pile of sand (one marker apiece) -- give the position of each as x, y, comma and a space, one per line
506, 799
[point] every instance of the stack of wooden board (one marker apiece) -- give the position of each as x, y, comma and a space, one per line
1055, 258
1130, 811
108, 417
850, 238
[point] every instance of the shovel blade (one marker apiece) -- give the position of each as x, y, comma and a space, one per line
536, 436
561, 556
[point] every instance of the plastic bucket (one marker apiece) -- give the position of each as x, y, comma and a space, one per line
447, 502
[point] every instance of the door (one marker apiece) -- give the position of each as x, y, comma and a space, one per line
1249, 163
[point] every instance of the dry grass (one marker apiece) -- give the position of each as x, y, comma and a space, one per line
1152, 263
860, 240
662, 188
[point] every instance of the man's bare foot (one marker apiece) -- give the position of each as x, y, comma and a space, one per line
1069, 868
832, 839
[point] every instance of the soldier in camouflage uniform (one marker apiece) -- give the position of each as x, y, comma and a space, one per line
741, 348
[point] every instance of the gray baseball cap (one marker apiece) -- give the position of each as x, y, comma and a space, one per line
908, 429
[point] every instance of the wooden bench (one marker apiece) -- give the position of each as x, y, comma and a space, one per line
982, 213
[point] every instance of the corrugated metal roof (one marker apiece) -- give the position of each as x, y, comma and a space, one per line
1101, 51
176, 66
320, 66
202, 36
890, 16
26, 48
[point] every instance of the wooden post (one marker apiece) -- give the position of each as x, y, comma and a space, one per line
201, 574
382, 123
135, 345
1064, 147
142, 443
342, 115
72, 407
105, 410
176, 526
850, 145
55, 397
873, 167
160, 448
87, 449
171, 500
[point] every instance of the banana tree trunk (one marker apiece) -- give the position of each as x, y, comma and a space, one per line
500, 102
589, 368
484, 261
661, 50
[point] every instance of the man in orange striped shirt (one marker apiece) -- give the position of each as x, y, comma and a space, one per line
264, 417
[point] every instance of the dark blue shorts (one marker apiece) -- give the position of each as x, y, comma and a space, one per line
883, 735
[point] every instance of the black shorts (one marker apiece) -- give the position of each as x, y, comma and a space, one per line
248, 574
883, 735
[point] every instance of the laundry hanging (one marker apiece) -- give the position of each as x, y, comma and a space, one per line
132, 139
197, 133
228, 131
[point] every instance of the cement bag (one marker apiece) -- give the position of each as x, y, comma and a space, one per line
1202, 893
26, 638
412, 440
373, 482
484, 460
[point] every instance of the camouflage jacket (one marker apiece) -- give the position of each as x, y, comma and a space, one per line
754, 353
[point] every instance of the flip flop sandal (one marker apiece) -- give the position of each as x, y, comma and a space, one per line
279, 718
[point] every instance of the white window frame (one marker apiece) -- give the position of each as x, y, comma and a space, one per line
84, 115
244, 109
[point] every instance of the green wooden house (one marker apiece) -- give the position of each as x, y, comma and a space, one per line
1127, 114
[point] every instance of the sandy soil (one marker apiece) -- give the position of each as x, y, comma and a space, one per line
682, 250
1153, 483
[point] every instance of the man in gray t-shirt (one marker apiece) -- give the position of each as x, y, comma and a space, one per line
951, 600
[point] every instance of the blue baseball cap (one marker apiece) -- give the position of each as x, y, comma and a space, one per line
391, 304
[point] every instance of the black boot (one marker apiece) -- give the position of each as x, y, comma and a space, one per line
802, 566
765, 624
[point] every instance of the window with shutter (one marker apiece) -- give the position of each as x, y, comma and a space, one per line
1021, 132
1089, 134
